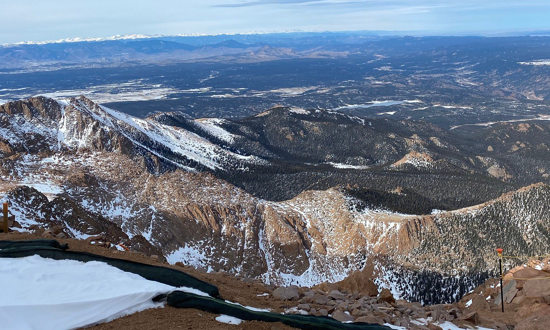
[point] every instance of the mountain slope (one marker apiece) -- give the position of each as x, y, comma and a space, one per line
156, 185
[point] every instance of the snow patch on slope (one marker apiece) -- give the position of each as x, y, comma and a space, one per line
188, 255
212, 127
347, 167
66, 294
183, 142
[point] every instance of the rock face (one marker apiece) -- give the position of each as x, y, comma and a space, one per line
154, 185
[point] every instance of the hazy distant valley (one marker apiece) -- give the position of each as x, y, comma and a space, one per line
447, 81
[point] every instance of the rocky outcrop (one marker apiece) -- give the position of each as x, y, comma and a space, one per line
64, 215
526, 291
34, 108
415, 159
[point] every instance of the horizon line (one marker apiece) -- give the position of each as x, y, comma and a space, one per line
381, 33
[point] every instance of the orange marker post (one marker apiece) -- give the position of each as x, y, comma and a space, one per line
499, 251
5, 224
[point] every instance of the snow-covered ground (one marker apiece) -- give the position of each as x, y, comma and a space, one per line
375, 104
228, 319
537, 62
348, 167
41, 293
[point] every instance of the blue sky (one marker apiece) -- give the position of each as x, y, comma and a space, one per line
39, 20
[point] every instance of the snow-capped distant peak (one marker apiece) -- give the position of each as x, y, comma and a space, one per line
79, 39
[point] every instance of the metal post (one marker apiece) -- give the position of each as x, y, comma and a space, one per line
5, 224
499, 251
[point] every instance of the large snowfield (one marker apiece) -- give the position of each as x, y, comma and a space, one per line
40, 293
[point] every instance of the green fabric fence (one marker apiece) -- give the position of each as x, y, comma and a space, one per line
54, 250
181, 299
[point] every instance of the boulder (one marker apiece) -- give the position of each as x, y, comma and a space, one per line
309, 294
305, 307
320, 299
336, 295
386, 296
323, 312
370, 319
359, 312
509, 291
510, 295
359, 282
286, 293
472, 317
342, 316
528, 273
355, 305
537, 288
341, 305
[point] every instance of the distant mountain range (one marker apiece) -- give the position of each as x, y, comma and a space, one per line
141, 49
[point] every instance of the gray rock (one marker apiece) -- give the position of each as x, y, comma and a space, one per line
355, 305
509, 290
48, 233
309, 294
320, 299
359, 313
342, 305
371, 319
286, 293
305, 307
336, 295
342, 316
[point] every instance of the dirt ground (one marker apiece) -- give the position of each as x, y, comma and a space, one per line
242, 291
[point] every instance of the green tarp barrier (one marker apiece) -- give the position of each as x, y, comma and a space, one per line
181, 299
53, 250
35, 243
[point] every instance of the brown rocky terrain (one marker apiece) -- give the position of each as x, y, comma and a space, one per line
526, 299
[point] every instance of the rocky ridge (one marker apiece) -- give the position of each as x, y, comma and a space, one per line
153, 185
